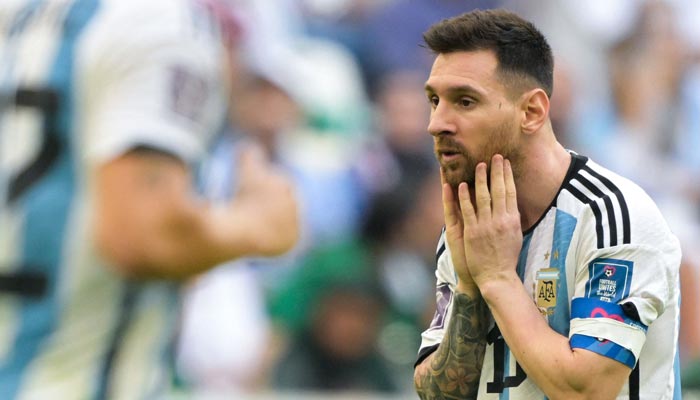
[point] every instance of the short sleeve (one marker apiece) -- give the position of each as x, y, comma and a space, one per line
621, 290
149, 79
444, 293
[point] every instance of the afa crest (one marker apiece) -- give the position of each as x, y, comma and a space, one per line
546, 290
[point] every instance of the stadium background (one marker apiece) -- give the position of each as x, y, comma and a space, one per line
336, 97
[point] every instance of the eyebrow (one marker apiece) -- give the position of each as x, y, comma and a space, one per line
454, 90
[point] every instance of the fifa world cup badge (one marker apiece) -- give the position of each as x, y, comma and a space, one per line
546, 290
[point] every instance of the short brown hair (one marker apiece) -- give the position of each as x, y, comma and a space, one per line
522, 51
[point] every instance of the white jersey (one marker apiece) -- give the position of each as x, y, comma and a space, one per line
82, 82
602, 267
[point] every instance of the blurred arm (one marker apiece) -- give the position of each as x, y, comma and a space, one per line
150, 225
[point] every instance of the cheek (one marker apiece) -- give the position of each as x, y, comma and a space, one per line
474, 135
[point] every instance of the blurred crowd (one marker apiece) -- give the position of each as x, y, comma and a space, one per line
333, 90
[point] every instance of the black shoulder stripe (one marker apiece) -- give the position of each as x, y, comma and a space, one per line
626, 225
424, 353
596, 212
442, 247
439, 252
612, 221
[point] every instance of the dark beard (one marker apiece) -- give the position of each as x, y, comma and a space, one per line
464, 169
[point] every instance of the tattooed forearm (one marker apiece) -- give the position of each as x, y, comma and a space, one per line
453, 371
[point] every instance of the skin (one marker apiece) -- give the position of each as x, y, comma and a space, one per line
485, 219
148, 224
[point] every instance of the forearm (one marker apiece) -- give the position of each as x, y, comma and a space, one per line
454, 369
544, 354
148, 224
175, 239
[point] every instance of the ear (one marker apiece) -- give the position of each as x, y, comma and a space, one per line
535, 108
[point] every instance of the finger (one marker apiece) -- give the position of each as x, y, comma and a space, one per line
465, 201
449, 205
498, 189
251, 155
251, 162
511, 193
482, 195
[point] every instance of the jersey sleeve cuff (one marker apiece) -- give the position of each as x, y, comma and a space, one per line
173, 141
424, 353
605, 348
602, 321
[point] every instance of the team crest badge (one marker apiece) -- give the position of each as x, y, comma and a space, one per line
546, 290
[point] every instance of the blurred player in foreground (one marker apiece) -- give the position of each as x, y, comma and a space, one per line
105, 107
555, 277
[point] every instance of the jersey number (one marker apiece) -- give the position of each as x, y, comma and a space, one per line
46, 102
499, 381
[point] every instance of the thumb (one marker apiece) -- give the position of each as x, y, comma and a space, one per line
251, 160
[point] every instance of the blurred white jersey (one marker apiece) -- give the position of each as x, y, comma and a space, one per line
602, 267
82, 82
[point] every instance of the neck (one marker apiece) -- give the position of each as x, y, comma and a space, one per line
542, 175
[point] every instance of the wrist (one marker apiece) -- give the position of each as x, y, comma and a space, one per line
232, 231
469, 289
497, 286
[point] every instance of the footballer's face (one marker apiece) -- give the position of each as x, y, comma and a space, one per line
472, 115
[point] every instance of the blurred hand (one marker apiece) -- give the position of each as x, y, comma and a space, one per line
266, 196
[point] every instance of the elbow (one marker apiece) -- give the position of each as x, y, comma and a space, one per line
129, 255
430, 385
421, 380
579, 385
120, 254
574, 394
142, 257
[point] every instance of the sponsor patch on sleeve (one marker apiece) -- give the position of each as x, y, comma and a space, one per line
443, 298
188, 93
609, 279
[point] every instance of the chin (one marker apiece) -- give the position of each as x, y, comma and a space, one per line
455, 177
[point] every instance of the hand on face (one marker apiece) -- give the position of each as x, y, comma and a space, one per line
491, 237
454, 236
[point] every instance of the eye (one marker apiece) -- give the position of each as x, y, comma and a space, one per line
434, 100
466, 102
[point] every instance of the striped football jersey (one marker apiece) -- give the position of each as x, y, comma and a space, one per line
602, 267
81, 82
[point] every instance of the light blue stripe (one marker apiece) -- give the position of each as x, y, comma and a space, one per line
505, 395
677, 388
522, 258
677, 393
564, 225
47, 205
168, 344
522, 262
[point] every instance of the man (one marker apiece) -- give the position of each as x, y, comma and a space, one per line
106, 105
556, 277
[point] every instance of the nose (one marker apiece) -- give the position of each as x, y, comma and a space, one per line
440, 121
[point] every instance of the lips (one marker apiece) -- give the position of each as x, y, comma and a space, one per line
448, 150
448, 155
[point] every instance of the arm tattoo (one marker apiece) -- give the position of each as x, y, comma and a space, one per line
453, 371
